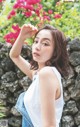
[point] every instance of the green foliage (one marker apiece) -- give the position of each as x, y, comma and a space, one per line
5, 24
69, 22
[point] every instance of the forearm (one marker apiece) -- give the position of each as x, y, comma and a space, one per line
17, 47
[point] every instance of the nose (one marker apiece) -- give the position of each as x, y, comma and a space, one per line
38, 46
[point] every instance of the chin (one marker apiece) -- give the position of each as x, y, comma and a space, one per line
35, 59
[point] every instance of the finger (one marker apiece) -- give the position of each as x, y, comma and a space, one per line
31, 26
26, 26
35, 28
32, 33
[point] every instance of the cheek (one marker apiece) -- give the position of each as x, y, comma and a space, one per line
48, 53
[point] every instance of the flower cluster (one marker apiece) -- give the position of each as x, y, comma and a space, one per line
27, 7
1, 0
30, 9
12, 36
57, 16
11, 14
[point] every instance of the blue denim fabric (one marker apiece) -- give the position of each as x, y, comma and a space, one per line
26, 121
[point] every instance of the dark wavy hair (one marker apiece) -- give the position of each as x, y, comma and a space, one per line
60, 58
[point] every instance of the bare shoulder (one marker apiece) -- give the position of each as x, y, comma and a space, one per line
47, 72
47, 75
49, 81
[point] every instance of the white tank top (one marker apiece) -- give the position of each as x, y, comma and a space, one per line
32, 101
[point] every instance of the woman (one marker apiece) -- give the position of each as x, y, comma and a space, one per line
42, 104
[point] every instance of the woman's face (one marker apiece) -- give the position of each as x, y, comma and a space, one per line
43, 46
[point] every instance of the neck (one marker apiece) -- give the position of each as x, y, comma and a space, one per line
40, 66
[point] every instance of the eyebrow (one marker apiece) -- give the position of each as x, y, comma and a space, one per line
44, 38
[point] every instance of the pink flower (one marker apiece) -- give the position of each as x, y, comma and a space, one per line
50, 11
40, 6
21, 1
46, 17
12, 12
57, 16
23, 4
16, 5
37, 12
16, 27
12, 36
30, 7
28, 14
9, 37
33, 1
9, 16
0, 0
58, 3
44, 13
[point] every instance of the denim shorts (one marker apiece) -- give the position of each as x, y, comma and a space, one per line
21, 108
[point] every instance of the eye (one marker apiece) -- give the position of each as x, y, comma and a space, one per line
45, 43
36, 41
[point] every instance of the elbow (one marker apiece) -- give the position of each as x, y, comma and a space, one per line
12, 56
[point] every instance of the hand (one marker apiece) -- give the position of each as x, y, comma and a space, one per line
28, 31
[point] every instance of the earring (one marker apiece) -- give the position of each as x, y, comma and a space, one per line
48, 63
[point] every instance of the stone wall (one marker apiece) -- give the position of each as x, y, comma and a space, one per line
13, 82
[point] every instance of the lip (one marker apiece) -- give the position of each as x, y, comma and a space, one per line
35, 53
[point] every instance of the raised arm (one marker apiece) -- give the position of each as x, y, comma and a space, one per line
26, 32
